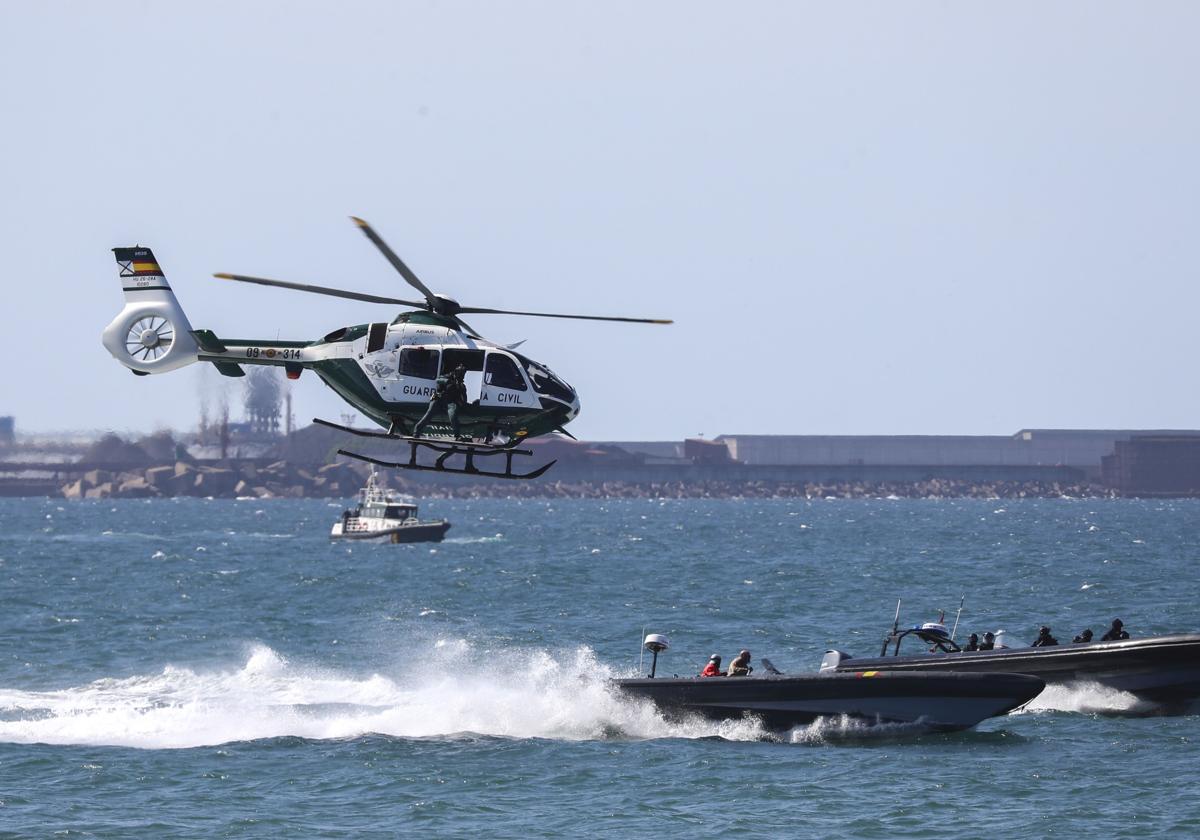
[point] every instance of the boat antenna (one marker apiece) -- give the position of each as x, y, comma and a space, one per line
887, 640
641, 650
958, 615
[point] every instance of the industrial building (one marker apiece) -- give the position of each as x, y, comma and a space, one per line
1132, 461
1153, 465
1081, 449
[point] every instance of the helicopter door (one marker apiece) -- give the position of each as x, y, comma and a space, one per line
503, 383
417, 372
452, 357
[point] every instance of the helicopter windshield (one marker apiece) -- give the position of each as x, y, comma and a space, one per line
544, 381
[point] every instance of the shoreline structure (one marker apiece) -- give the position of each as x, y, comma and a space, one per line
1031, 463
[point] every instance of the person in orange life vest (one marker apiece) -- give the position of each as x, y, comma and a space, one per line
713, 668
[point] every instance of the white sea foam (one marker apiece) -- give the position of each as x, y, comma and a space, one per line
1088, 698
846, 728
518, 694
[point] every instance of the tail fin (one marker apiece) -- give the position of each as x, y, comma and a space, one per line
151, 334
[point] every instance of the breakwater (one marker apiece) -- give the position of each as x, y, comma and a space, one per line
281, 479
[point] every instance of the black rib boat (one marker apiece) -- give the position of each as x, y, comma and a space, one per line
942, 701
1162, 669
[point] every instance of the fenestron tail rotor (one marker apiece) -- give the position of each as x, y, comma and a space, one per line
442, 305
149, 338
151, 334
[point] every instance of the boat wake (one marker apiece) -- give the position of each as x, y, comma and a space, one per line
1089, 698
845, 728
473, 540
521, 694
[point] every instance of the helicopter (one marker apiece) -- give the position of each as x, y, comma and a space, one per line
387, 370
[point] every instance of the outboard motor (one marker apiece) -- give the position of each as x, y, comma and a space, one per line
832, 659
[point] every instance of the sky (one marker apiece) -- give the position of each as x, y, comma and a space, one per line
865, 218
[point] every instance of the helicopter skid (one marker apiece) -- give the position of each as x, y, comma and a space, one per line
448, 449
370, 433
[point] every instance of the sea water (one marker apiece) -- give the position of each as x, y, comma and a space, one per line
195, 668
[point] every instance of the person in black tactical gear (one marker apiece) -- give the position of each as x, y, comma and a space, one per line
449, 394
972, 642
1044, 638
989, 641
1083, 638
1116, 632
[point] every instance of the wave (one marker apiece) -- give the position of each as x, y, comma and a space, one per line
1088, 698
514, 694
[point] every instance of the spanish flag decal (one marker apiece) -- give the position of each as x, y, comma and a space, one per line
146, 268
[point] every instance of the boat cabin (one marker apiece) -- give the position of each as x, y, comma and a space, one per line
387, 510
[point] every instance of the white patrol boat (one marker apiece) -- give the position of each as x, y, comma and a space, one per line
386, 515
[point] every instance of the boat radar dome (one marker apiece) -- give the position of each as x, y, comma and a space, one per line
936, 628
655, 644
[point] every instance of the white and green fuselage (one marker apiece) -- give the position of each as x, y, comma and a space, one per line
387, 371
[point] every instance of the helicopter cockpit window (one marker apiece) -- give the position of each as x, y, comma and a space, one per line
420, 362
502, 372
545, 382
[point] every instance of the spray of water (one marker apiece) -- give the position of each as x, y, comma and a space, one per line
845, 728
1088, 698
513, 693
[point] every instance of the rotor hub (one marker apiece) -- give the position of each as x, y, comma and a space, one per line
149, 338
445, 305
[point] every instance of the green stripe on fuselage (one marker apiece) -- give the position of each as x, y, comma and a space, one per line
265, 342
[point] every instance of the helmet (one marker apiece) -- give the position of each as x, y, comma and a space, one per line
1045, 631
716, 657
744, 653
1118, 623
989, 635
975, 637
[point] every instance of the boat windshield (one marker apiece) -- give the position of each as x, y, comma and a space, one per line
399, 511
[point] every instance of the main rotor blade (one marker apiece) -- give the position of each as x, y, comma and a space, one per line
319, 290
483, 311
396, 262
474, 333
